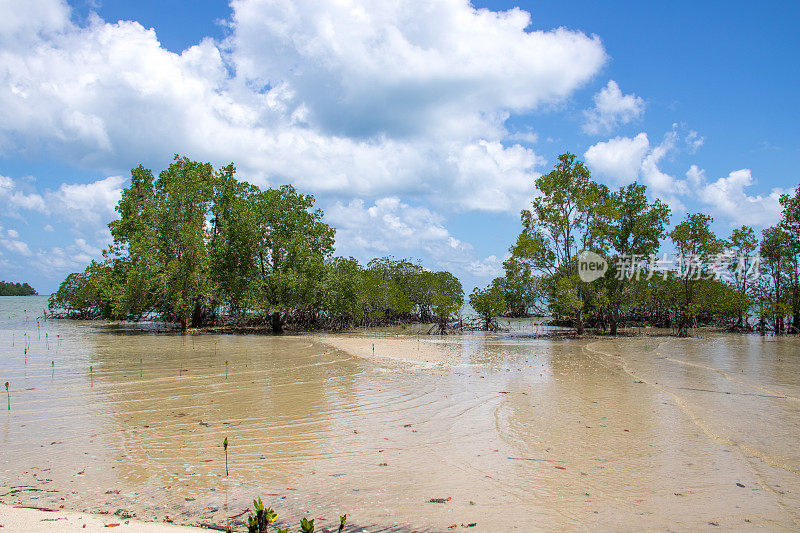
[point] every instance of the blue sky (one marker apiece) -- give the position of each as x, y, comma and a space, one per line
419, 126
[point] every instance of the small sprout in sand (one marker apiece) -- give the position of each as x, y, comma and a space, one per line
263, 518
9, 396
306, 525
225, 446
91, 376
226, 369
140, 367
342, 521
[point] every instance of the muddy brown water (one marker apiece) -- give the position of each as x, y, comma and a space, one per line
510, 432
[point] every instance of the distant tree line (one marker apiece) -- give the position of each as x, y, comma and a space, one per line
16, 289
198, 247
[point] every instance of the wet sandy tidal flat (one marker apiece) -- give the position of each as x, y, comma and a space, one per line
511, 432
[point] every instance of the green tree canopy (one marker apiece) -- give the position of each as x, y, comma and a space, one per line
696, 245
195, 245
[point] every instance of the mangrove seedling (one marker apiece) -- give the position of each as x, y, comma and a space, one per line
140, 367
225, 446
342, 521
226, 370
261, 524
91, 376
306, 526
9, 396
264, 516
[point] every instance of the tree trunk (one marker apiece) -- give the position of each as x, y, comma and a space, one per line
197, 314
614, 320
683, 326
277, 323
579, 323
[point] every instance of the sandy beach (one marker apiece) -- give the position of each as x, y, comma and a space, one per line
503, 431
18, 519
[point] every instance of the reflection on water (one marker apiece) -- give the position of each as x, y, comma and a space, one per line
657, 433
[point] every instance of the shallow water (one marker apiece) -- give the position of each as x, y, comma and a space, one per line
512, 432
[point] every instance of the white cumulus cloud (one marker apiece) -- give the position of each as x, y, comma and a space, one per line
407, 67
390, 225
91, 202
13, 244
15, 198
53, 262
369, 98
620, 158
727, 199
612, 108
625, 159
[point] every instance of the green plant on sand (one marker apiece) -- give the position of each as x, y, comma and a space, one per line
225, 446
263, 518
306, 525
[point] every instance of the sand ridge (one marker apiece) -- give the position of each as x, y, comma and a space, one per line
416, 349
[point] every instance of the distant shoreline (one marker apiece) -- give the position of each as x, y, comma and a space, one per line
8, 288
